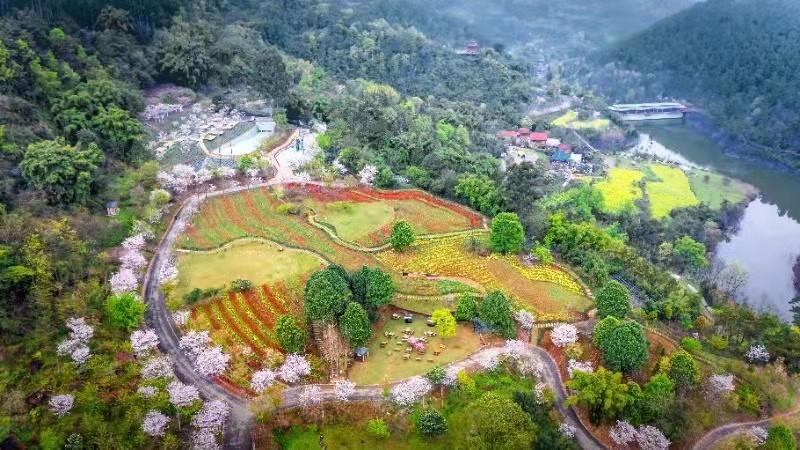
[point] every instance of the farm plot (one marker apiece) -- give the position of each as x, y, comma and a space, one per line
620, 189
671, 192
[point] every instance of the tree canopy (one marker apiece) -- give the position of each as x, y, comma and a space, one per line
66, 174
496, 422
507, 233
402, 235
327, 295
496, 311
622, 343
613, 299
355, 325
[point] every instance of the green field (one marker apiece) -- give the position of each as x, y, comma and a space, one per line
620, 189
259, 262
671, 192
570, 119
712, 188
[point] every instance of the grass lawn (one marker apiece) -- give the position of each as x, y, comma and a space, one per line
425, 305
386, 365
570, 119
620, 189
712, 188
259, 262
672, 192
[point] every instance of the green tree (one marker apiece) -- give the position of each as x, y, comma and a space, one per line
445, 322
780, 437
614, 299
431, 422
125, 311
624, 346
66, 174
683, 369
691, 252
372, 287
185, 52
355, 325
507, 234
480, 192
384, 178
290, 336
603, 329
543, 254
467, 307
657, 397
377, 428
494, 422
603, 393
326, 296
120, 132
496, 311
402, 235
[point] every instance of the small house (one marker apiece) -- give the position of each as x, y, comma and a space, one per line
408, 318
566, 148
576, 158
559, 156
361, 354
507, 135
538, 138
112, 208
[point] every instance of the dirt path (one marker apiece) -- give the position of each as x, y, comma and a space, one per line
713, 437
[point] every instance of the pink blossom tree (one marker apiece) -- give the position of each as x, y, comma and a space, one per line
310, 396
651, 438
564, 334
133, 260
157, 367
193, 342
344, 389
410, 391
294, 367
181, 394
212, 416
212, 361
144, 341
124, 281
154, 423
262, 380
61, 405
622, 433
204, 439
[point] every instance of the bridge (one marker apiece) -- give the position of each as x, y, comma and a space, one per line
649, 111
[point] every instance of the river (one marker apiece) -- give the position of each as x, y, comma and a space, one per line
768, 240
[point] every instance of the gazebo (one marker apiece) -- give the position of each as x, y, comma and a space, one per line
361, 354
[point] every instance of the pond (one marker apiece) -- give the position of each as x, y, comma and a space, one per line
768, 240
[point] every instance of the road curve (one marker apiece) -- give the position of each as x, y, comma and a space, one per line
723, 431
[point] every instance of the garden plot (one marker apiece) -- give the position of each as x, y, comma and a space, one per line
671, 192
620, 190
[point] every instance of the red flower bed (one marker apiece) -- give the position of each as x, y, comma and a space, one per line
233, 214
210, 314
277, 305
247, 320
255, 305
227, 384
238, 331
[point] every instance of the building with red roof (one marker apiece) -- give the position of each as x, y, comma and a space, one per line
538, 137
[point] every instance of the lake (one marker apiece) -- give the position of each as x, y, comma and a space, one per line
768, 240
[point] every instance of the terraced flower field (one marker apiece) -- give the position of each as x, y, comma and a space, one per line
620, 189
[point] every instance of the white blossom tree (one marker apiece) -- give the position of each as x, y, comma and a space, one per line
182, 394
564, 334
133, 260
181, 317
135, 242
262, 380
168, 272
344, 389
80, 355
651, 438
124, 281
204, 439
757, 354
488, 361
147, 391
61, 405
212, 416
212, 361
194, 342
157, 367
567, 430
622, 433
758, 435
76, 346
516, 349
410, 391
367, 174
294, 367
144, 341
79, 329
720, 385
579, 366
525, 319
154, 423
310, 396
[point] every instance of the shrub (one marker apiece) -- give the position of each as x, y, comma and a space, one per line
683, 369
748, 400
614, 299
466, 383
431, 423
445, 322
126, 311
467, 308
402, 235
507, 233
691, 344
355, 325
624, 346
289, 335
496, 311
378, 428
288, 208
241, 285
718, 342
327, 295
780, 437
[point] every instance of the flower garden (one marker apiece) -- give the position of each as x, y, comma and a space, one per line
671, 192
620, 189
254, 235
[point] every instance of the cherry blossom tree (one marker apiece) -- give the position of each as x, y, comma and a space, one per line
154, 423
410, 391
622, 433
76, 346
310, 396
182, 394
124, 281
262, 380
451, 375
651, 438
193, 342
157, 367
181, 317
168, 272
344, 389
212, 361
144, 341
147, 391
719, 385
212, 416
579, 366
525, 319
204, 439
134, 243
516, 349
79, 329
367, 174
60, 405
294, 367
133, 260
81, 354
564, 334
758, 435
567, 430
488, 361
757, 354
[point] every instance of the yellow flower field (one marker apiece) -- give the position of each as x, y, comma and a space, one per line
620, 189
672, 192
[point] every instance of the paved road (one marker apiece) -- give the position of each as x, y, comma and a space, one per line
713, 437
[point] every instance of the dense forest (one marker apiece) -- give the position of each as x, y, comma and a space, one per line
736, 59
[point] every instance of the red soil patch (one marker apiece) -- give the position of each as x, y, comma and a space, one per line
227, 384
277, 305
238, 331
233, 214
264, 315
196, 237
248, 321
210, 314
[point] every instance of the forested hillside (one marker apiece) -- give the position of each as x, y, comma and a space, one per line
737, 59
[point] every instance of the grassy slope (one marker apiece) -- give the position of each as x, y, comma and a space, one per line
671, 192
619, 190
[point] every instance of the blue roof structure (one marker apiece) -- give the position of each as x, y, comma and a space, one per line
361, 351
559, 156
